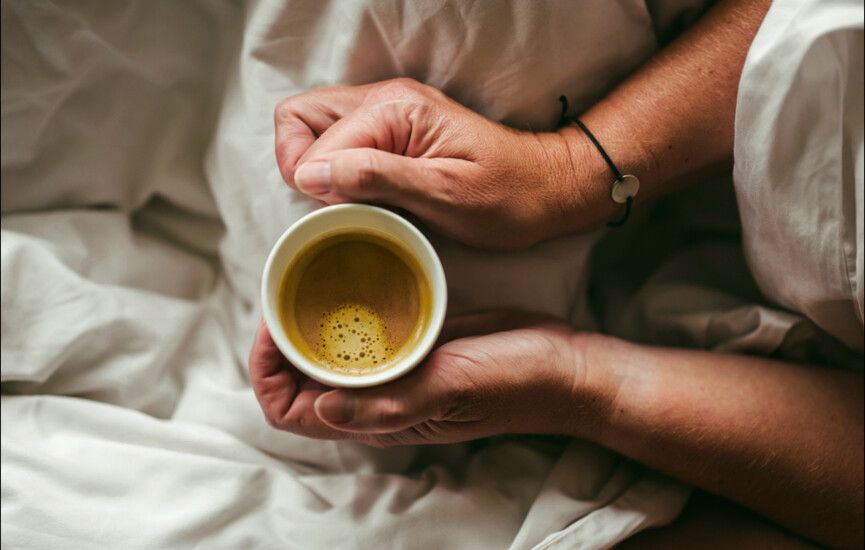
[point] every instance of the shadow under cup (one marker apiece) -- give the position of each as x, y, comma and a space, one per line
353, 295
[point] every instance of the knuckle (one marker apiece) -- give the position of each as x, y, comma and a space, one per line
391, 412
406, 81
280, 420
295, 423
399, 88
421, 113
366, 170
284, 110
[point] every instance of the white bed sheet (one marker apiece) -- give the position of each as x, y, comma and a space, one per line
139, 199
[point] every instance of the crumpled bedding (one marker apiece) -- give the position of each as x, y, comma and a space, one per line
806, 214
770, 261
139, 200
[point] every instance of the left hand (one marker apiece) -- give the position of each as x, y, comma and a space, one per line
407, 145
520, 379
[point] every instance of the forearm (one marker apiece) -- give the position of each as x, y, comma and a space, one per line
782, 439
670, 123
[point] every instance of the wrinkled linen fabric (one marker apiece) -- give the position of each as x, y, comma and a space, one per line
800, 162
785, 281
140, 197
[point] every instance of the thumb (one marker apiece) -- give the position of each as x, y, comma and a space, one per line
390, 408
361, 175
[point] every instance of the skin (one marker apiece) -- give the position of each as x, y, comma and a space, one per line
408, 145
783, 440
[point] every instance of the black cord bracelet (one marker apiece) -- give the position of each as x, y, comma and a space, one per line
625, 187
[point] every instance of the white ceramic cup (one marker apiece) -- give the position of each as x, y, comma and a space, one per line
348, 217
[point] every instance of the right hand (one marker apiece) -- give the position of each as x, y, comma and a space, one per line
500, 372
407, 145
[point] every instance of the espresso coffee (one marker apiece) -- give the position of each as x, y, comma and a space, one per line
354, 302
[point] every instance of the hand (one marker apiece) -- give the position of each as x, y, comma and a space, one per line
408, 145
525, 378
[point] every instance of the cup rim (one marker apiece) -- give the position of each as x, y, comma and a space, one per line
297, 359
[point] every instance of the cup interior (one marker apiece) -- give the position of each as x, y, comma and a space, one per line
347, 217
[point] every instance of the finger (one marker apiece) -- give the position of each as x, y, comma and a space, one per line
358, 157
390, 408
488, 322
382, 126
373, 176
299, 120
300, 417
273, 380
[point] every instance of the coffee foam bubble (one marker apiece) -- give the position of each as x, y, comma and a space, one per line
353, 337
354, 302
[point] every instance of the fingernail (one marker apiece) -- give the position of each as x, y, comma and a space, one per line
335, 407
313, 178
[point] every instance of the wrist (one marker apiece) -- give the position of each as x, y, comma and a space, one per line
579, 185
596, 383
